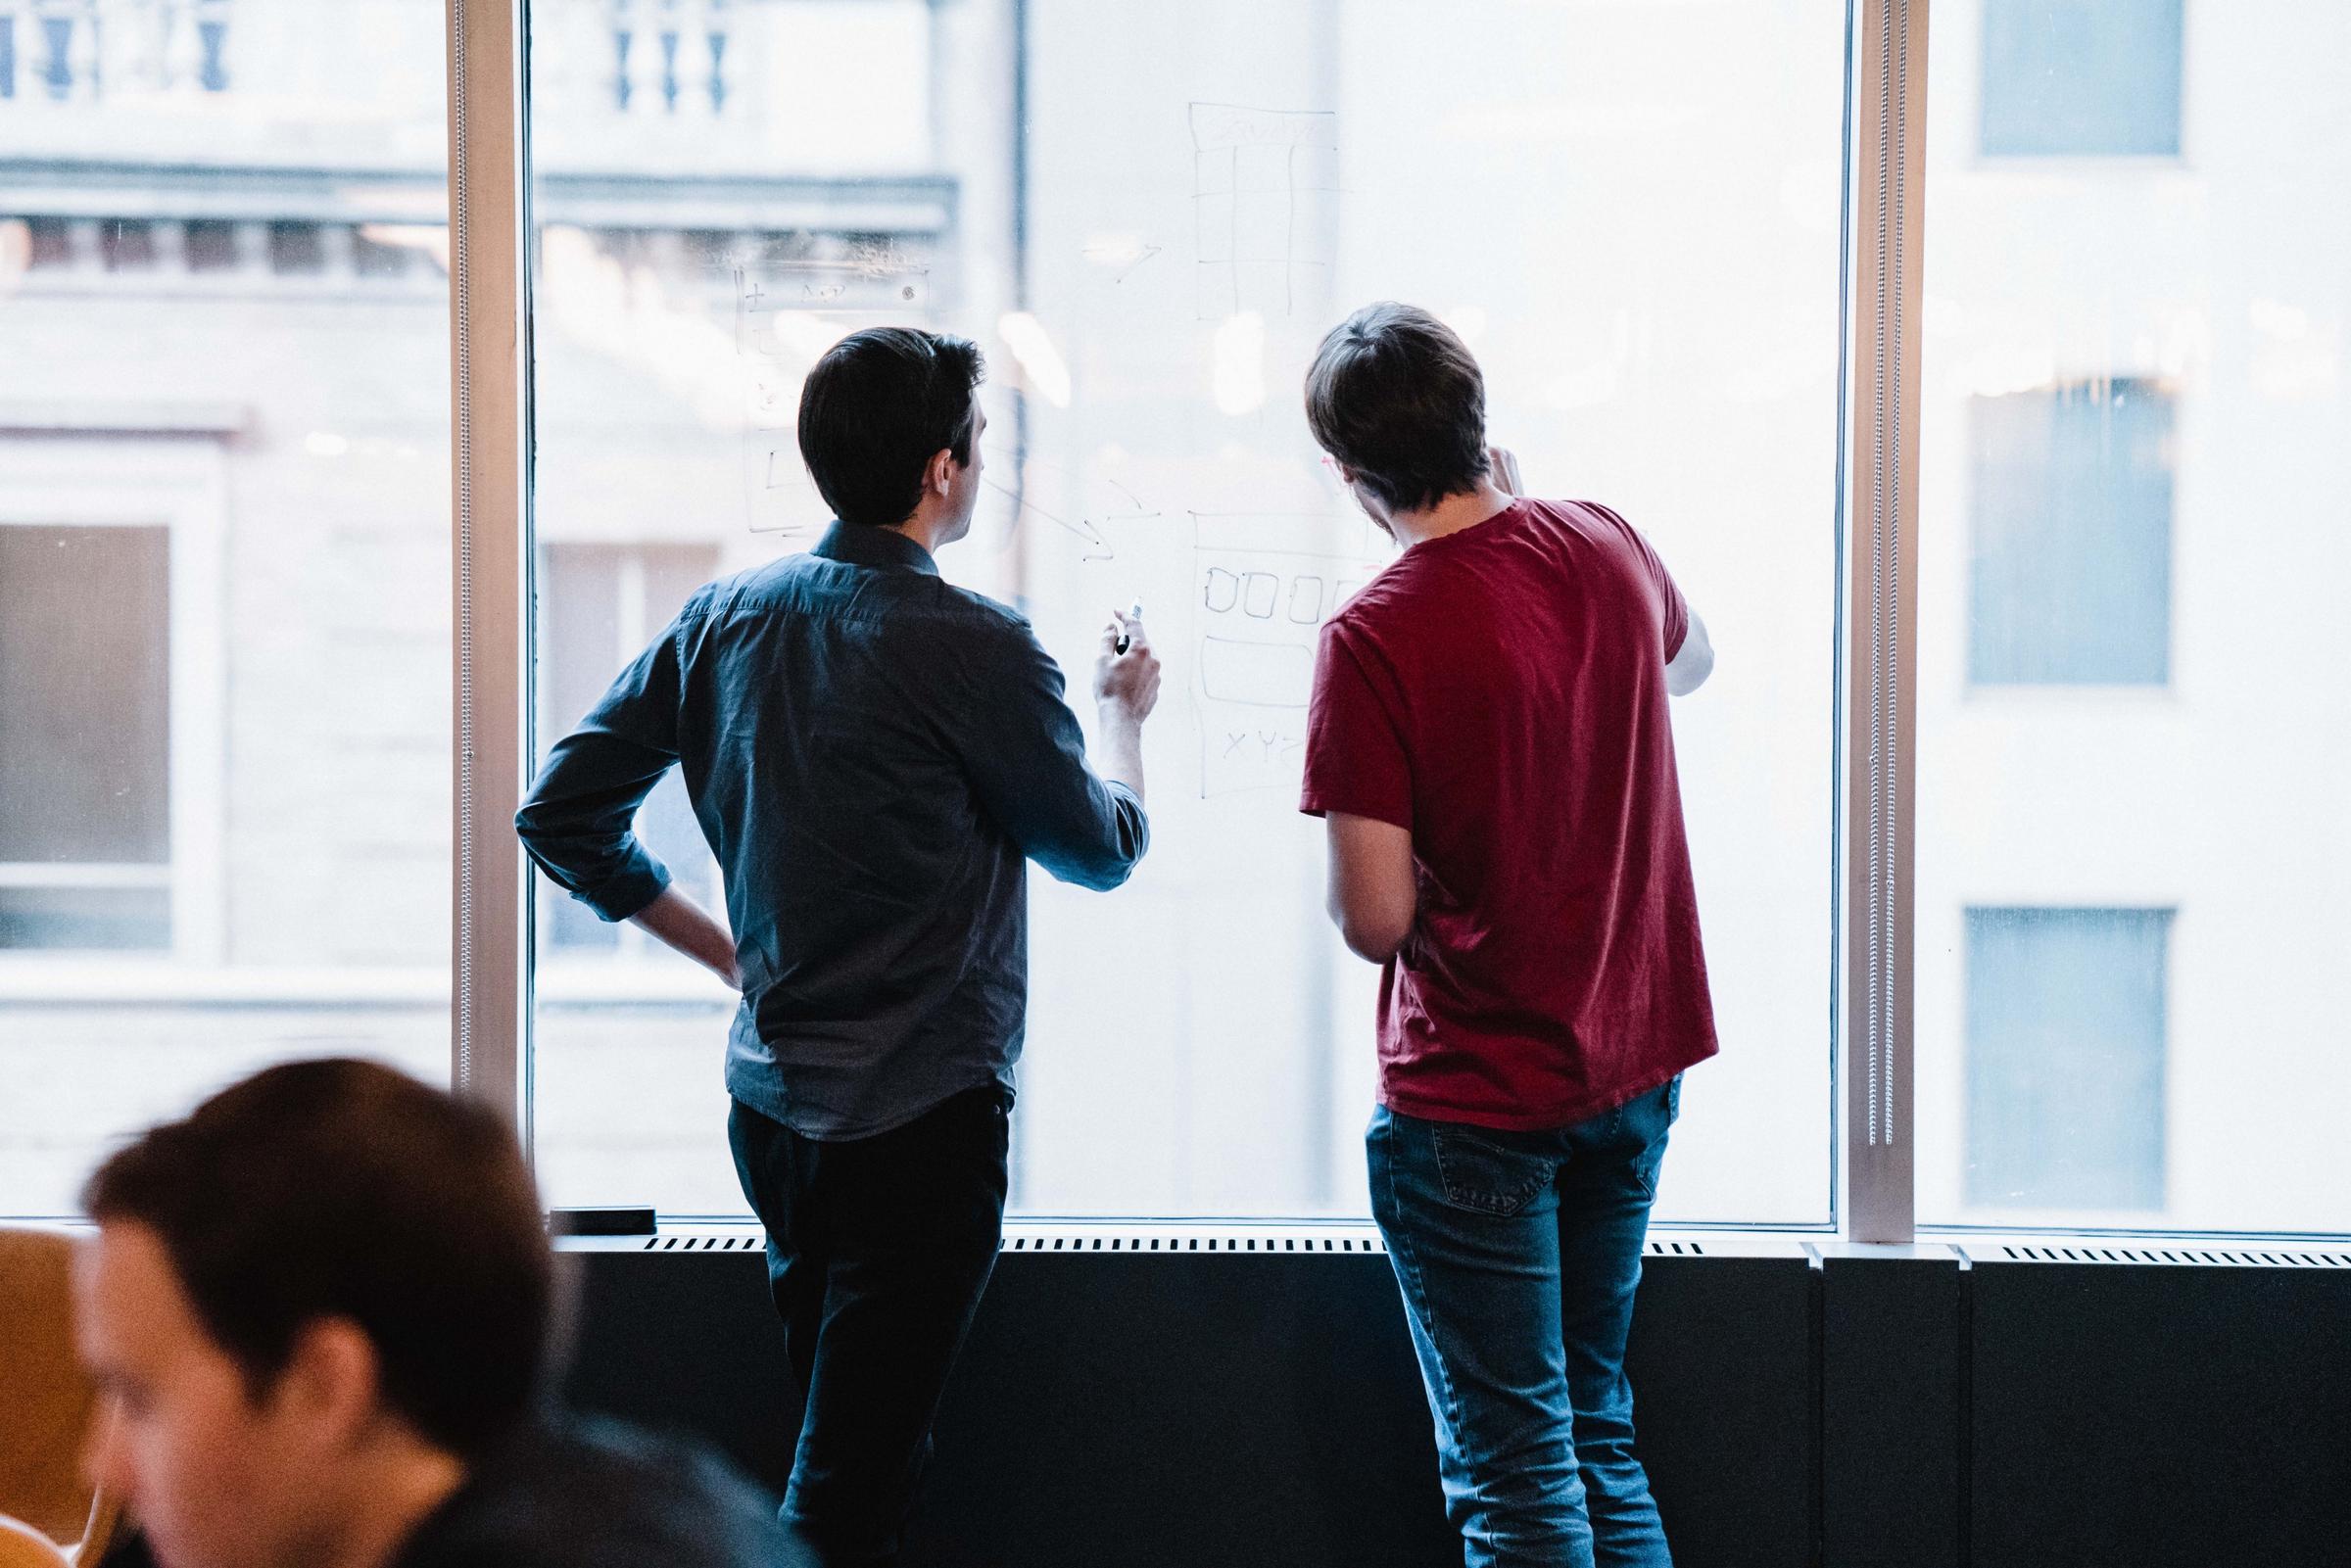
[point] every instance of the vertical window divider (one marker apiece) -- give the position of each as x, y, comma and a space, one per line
1881, 712
489, 455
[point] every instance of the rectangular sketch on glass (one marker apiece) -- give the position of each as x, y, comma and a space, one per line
1259, 613
1257, 175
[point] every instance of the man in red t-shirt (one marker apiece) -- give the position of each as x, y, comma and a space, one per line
1489, 741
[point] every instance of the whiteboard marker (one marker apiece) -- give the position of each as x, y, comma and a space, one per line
1134, 613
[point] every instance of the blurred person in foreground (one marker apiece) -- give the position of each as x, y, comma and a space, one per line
321, 1311
1488, 739
874, 754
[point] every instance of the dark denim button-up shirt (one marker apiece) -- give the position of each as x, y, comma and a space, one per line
873, 753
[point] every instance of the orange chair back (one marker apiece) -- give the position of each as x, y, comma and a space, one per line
22, 1546
46, 1401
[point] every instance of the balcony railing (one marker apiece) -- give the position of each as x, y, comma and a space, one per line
669, 57
69, 51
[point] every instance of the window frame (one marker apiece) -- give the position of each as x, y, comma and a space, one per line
1872, 989
491, 231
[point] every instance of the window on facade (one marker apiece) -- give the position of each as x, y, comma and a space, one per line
372, 258
2065, 1058
211, 246
126, 245
85, 851
297, 248
2070, 571
2081, 78
51, 243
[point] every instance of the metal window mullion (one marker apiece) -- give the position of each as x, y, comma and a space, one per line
489, 675
1880, 743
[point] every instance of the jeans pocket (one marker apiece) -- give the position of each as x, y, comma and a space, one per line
1480, 1175
1648, 1166
1651, 1159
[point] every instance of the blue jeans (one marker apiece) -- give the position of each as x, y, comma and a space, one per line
1519, 1254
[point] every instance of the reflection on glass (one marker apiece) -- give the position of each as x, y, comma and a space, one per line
2132, 742
223, 557
1632, 215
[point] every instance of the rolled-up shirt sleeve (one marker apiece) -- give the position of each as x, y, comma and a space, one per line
1026, 756
576, 823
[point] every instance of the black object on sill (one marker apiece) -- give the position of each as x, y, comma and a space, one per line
625, 1220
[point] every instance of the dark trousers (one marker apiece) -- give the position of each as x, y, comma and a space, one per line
878, 1250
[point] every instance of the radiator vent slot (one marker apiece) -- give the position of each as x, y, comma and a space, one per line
2178, 1256
1358, 1242
1124, 1243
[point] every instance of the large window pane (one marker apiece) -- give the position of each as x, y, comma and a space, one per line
223, 557
2131, 738
1631, 212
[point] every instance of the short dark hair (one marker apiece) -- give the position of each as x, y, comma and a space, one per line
341, 1188
1396, 396
875, 411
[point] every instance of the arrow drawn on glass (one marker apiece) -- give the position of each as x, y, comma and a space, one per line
1098, 547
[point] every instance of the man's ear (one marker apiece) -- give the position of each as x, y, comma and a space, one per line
332, 1382
939, 475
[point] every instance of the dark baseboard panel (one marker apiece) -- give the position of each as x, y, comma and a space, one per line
2126, 1414
1125, 1410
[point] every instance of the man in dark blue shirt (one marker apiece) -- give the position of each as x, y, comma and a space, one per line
874, 754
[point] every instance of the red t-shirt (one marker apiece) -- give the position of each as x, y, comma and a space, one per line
1500, 693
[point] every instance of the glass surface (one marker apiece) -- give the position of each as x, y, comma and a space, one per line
224, 558
1632, 214
2132, 729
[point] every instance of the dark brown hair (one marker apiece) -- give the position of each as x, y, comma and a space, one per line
341, 1188
1395, 396
876, 407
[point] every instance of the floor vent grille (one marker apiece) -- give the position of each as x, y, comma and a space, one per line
1125, 1243
2178, 1256
1358, 1242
